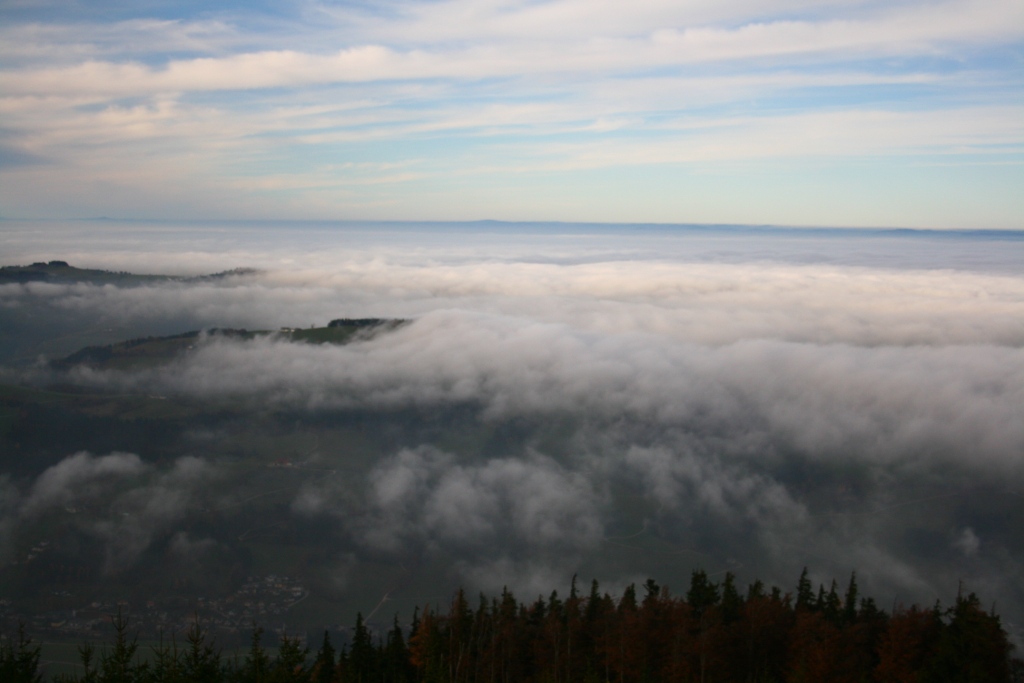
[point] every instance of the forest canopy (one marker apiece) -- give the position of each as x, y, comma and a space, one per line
714, 632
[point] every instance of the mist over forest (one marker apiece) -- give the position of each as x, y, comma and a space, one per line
612, 402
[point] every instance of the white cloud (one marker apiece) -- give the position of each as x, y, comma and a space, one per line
746, 408
123, 502
230, 115
967, 542
80, 477
920, 29
426, 496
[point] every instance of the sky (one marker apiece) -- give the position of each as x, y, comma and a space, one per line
815, 113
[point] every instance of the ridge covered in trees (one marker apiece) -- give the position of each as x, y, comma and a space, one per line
713, 633
61, 272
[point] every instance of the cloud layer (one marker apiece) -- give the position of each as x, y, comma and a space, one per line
575, 405
467, 110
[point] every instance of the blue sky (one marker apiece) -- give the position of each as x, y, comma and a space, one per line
906, 113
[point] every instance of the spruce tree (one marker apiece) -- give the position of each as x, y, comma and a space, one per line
323, 668
804, 592
290, 664
257, 662
850, 601
361, 656
201, 662
19, 663
118, 664
702, 594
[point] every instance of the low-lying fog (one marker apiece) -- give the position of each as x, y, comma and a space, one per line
767, 399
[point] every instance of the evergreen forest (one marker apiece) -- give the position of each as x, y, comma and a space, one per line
714, 633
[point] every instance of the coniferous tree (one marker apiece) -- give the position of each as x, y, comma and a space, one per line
460, 628
732, 603
361, 656
703, 593
19, 662
728, 640
713, 635
832, 607
804, 594
624, 628
87, 653
118, 664
819, 602
593, 634
652, 635
290, 664
972, 647
764, 630
396, 656
506, 655
850, 601
573, 633
703, 597
323, 668
426, 649
257, 662
166, 663
861, 636
202, 661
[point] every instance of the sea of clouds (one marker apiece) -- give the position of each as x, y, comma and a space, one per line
848, 401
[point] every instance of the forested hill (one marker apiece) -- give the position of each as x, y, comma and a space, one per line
150, 351
713, 633
61, 272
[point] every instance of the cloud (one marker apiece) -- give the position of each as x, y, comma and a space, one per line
251, 114
606, 405
187, 550
889, 402
124, 502
896, 364
689, 481
967, 542
906, 30
424, 498
80, 477
688, 301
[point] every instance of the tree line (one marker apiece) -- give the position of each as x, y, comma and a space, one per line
713, 634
